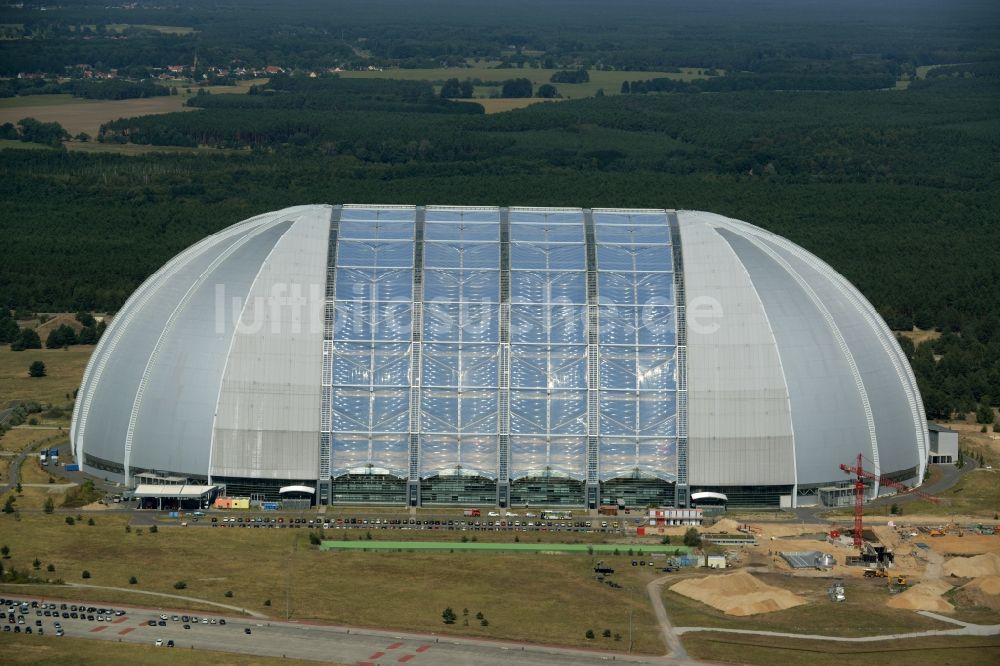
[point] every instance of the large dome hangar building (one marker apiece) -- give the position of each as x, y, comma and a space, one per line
439, 355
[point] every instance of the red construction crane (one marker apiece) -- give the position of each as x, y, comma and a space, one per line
859, 493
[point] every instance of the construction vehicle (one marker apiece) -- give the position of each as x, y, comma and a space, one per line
876, 572
898, 584
836, 591
859, 494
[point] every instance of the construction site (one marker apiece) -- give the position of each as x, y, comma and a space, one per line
846, 576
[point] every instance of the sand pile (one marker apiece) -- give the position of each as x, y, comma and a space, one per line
973, 567
923, 596
984, 591
726, 525
987, 584
738, 594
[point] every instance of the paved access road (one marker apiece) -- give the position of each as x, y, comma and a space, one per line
322, 642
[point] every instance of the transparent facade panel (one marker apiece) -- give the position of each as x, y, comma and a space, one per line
388, 254
568, 455
637, 325
349, 451
548, 256
647, 289
351, 410
657, 414
450, 411
371, 230
374, 284
454, 322
438, 214
364, 320
543, 232
548, 287
478, 286
528, 455
617, 456
548, 412
631, 233
438, 410
375, 213
464, 230
618, 414
537, 456
556, 367
653, 218
391, 452
546, 217
659, 456
460, 365
461, 255
656, 368
446, 452
557, 324
390, 410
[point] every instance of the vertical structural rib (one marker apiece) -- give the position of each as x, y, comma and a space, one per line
681, 491
326, 436
593, 365
413, 478
503, 420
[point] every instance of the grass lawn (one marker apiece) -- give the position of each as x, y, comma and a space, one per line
864, 613
610, 82
976, 494
63, 367
767, 650
49, 650
531, 597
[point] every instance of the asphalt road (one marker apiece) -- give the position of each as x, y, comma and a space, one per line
322, 642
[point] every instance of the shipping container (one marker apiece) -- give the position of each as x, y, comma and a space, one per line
72, 468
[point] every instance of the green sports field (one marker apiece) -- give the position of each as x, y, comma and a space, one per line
501, 547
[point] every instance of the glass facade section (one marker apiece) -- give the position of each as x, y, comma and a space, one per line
371, 342
638, 337
548, 345
454, 352
459, 398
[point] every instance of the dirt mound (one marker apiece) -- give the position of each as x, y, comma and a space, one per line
923, 596
726, 525
737, 594
973, 567
984, 591
986, 584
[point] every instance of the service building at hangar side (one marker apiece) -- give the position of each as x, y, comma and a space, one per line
438, 355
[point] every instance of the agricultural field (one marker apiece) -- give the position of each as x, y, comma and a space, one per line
609, 82
84, 115
529, 597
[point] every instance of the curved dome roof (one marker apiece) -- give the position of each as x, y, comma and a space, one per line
309, 342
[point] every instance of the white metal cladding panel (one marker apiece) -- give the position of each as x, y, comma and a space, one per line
113, 389
894, 422
739, 423
828, 416
269, 404
173, 427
